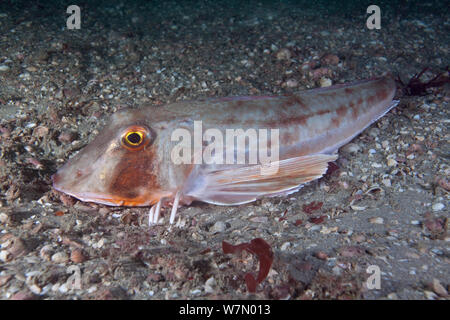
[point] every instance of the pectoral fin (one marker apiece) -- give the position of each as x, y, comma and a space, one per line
247, 183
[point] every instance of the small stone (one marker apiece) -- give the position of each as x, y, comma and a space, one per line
285, 246
67, 136
40, 131
292, 83
430, 295
376, 220
283, 54
321, 255
218, 227
392, 296
17, 248
4, 68
3, 217
5, 256
330, 59
60, 257
439, 288
4, 279
32, 69
374, 132
351, 251
209, 285
351, 148
386, 182
391, 162
77, 256
438, 206
46, 252
325, 82
377, 165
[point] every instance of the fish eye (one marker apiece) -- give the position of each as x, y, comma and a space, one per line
135, 137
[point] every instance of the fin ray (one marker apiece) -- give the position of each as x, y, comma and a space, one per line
247, 183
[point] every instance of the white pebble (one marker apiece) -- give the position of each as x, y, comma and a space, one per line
325, 82
391, 162
376, 165
291, 83
218, 227
285, 245
438, 206
60, 257
376, 220
4, 67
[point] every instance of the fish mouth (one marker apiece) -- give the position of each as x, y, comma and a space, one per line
102, 198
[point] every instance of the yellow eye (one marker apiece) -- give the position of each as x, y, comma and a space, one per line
134, 138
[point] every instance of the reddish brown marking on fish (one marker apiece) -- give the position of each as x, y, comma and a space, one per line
355, 111
134, 171
371, 99
293, 100
342, 110
381, 94
360, 101
240, 103
348, 90
336, 122
321, 112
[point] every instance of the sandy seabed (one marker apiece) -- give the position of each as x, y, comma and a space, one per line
386, 205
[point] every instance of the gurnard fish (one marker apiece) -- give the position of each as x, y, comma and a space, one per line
130, 163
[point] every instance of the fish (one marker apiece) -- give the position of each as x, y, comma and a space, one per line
144, 157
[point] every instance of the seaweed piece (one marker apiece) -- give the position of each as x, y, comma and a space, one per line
313, 206
262, 250
415, 87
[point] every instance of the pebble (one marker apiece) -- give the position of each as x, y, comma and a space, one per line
376, 220
218, 227
210, 284
330, 59
283, 54
67, 136
321, 255
392, 296
376, 165
5, 256
430, 295
438, 206
45, 252
351, 148
439, 288
292, 83
325, 82
285, 246
77, 256
4, 68
386, 182
3, 217
60, 257
391, 162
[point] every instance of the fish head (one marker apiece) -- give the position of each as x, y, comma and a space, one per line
118, 167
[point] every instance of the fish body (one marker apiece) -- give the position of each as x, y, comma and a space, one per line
131, 162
